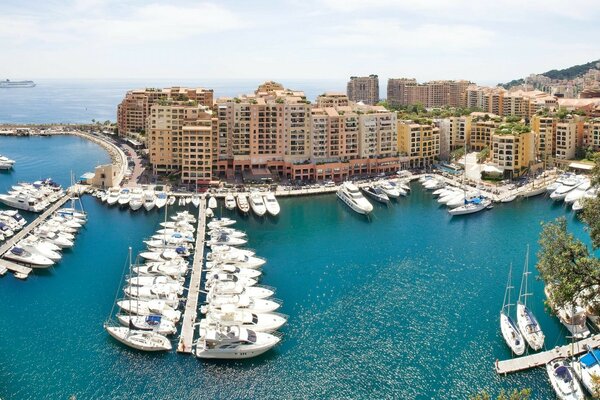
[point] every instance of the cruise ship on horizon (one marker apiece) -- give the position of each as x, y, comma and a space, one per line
8, 84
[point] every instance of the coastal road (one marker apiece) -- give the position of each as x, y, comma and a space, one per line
138, 168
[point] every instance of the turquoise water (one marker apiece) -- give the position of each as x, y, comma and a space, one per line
403, 306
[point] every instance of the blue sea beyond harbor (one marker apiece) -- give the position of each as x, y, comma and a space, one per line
403, 306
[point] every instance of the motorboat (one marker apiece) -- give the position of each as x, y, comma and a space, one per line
165, 255
175, 237
219, 250
55, 238
578, 192
174, 231
161, 200
212, 202
178, 225
230, 202
161, 270
240, 260
184, 216
450, 195
6, 163
567, 185
23, 256
182, 250
242, 203
243, 302
565, 384
471, 207
221, 223
113, 196
5, 230
153, 280
579, 204
572, 316
154, 323
233, 342
124, 197
226, 231
353, 198
257, 204
150, 307
231, 316
167, 244
135, 291
149, 200
462, 199
234, 288
16, 216
226, 239
153, 293
433, 184
217, 277
139, 339
196, 200
234, 270
39, 248
389, 189
376, 193
271, 204
137, 199
587, 369
24, 201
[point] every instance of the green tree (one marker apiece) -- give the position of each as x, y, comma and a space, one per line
523, 394
591, 209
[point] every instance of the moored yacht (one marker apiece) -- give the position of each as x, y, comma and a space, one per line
161, 199
376, 193
471, 206
124, 197
149, 200
563, 381
113, 196
353, 198
587, 369
257, 204
139, 339
242, 203
23, 256
233, 342
228, 316
271, 204
153, 323
390, 190
212, 202
230, 202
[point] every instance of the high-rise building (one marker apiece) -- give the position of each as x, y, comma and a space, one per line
419, 144
512, 150
545, 138
364, 89
180, 140
403, 91
134, 109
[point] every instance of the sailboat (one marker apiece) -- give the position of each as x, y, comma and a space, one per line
528, 324
511, 334
145, 340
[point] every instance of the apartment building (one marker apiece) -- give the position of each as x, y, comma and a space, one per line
566, 140
592, 134
405, 91
457, 130
545, 139
180, 140
134, 109
363, 89
512, 150
418, 144
483, 127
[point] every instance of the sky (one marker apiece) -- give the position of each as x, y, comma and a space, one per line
482, 41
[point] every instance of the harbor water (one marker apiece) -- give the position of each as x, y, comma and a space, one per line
405, 305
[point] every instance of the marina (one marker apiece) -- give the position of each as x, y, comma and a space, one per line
191, 306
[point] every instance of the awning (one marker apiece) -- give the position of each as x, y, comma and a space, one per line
581, 166
491, 169
87, 176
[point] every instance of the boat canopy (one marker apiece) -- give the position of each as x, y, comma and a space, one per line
563, 373
590, 359
153, 319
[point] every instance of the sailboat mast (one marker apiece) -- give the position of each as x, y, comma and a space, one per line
506, 302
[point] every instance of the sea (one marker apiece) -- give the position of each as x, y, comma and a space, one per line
403, 305
81, 101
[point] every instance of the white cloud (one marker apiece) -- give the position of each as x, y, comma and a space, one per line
376, 33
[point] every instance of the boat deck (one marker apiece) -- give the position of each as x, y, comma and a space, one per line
539, 359
17, 268
191, 306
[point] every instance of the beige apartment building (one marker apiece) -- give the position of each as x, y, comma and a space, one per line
566, 140
483, 127
545, 138
363, 89
418, 144
134, 109
431, 94
180, 140
512, 151
458, 131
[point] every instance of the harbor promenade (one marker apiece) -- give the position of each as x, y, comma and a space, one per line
540, 359
191, 306
6, 246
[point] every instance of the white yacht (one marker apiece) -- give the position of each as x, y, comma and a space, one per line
565, 384
589, 194
567, 185
23, 256
113, 196
166, 255
240, 260
573, 317
259, 322
353, 198
136, 200
5, 230
139, 339
153, 323
510, 332
173, 270
224, 288
528, 324
149, 200
226, 239
153, 293
242, 203
6, 163
24, 201
587, 369
221, 223
376, 193
150, 307
233, 342
217, 277
460, 200
243, 302
450, 195
390, 190
196, 200
234, 270
230, 202
271, 204
40, 248
433, 184
212, 202
471, 207
578, 192
161, 199
55, 238
220, 250
257, 204
124, 197
153, 280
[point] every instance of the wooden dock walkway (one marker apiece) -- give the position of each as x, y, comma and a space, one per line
10, 242
539, 359
191, 306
